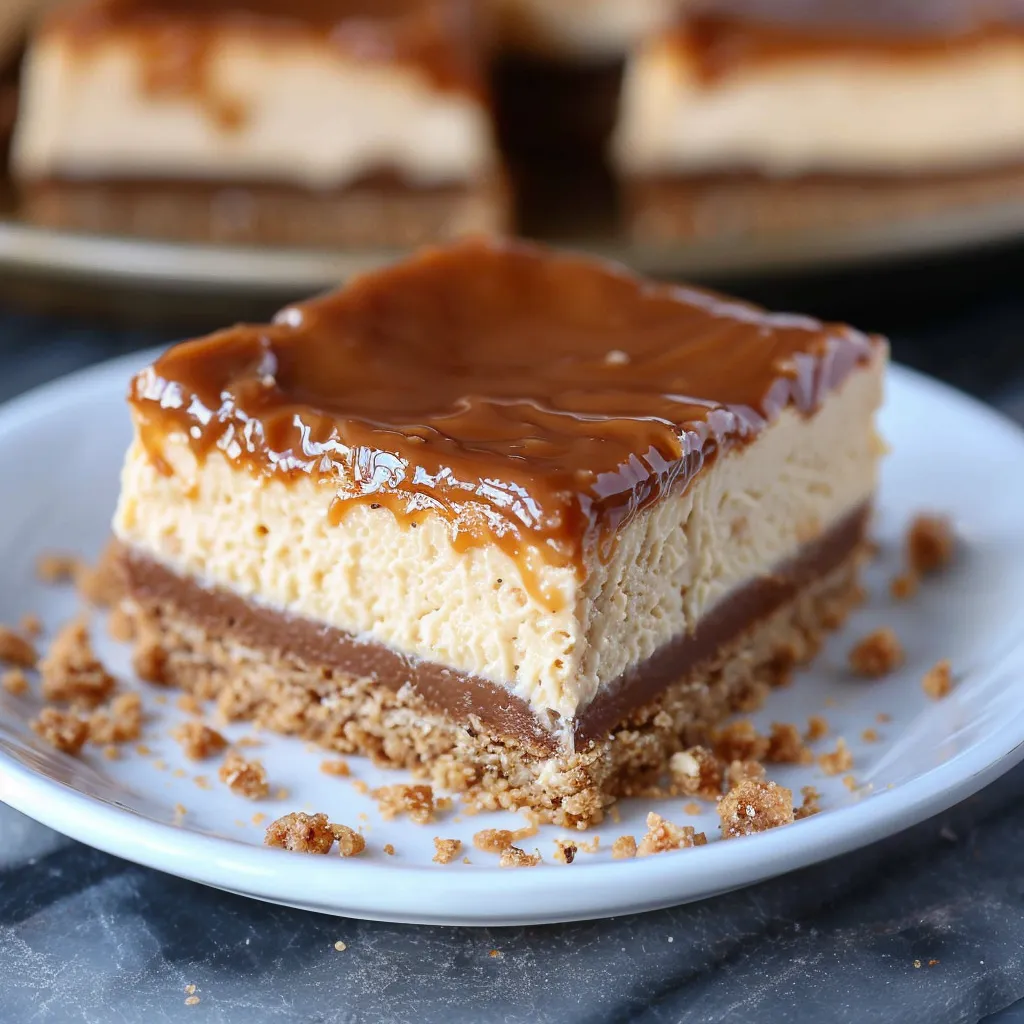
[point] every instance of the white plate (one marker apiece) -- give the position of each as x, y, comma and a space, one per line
60, 449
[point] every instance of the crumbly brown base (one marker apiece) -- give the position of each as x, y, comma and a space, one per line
358, 716
660, 211
377, 215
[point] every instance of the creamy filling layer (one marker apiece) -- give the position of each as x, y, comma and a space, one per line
554, 640
945, 110
302, 114
223, 618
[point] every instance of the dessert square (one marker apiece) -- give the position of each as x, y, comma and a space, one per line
517, 520
306, 123
770, 115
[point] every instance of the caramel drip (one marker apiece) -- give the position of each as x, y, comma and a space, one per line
534, 401
724, 36
178, 39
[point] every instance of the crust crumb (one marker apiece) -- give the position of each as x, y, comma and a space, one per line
840, 760
149, 661
592, 847
740, 741
817, 728
493, 840
61, 729
869, 735
850, 782
121, 625
101, 585
930, 544
71, 672
15, 682
785, 746
696, 772
244, 778
187, 702
938, 680
389, 849
811, 803
415, 801
338, 767
513, 857
301, 833
446, 850
350, 842
31, 625
199, 741
119, 722
882, 717
624, 848
877, 654
663, 836
56, 567
904, 586
755, 806
691, 808
744, 771
16, 650
565, 851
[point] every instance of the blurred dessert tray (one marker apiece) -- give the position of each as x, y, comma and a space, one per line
50, 257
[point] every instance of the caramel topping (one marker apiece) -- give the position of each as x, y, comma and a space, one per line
724, 35
534, 400
179, 38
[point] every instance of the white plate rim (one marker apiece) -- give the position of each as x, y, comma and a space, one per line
363, 889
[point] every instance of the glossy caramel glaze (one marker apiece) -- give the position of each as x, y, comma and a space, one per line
535, 400
178, 38
723, 36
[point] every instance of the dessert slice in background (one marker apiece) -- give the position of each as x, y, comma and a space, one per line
306, 123
762, 115
519, 521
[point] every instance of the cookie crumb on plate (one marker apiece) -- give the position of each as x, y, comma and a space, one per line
61, 729
199, 741
446, 850
662, 835
877, 654
837, 762
938, 680
244, 778
755, 806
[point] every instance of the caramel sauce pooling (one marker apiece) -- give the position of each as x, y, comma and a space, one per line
535, 401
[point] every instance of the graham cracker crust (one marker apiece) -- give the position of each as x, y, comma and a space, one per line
356, 715
666, 210
374, 213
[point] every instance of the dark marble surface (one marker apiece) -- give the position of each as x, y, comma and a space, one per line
87, 937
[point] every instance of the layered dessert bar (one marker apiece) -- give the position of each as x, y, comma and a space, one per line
519, 521
308, 123
763, 115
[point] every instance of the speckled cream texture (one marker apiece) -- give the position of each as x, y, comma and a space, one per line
272, 542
